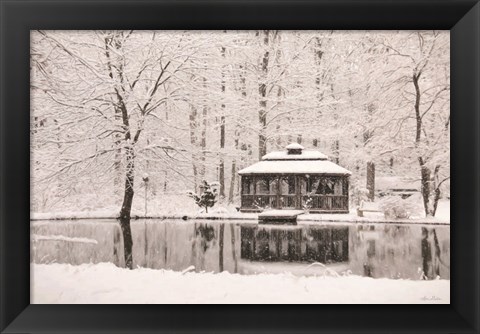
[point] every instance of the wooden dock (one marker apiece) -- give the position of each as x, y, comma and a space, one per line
279, 217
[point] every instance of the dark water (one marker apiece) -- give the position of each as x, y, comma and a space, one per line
374, 250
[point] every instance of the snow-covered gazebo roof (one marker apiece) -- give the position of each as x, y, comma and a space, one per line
295, 160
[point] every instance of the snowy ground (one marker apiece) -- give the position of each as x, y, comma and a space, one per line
106, 283
230, 213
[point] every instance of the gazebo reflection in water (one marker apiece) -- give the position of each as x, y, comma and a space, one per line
295, 244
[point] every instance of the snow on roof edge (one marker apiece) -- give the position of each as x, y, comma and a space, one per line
295, 167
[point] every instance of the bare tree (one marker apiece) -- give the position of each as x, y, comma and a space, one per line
429, 99
117, 83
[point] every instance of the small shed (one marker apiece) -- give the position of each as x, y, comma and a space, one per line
396, 185
295, 179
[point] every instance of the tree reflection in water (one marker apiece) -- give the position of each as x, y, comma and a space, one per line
375, 250
432, 259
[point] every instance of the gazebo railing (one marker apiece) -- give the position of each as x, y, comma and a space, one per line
318, 202
288, 201
327, 202
259, 201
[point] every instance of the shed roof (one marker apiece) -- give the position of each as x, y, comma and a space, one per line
383, 183
295, 167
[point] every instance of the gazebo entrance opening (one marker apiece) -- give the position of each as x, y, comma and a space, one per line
323, 193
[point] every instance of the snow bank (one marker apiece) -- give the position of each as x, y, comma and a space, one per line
372, 219
57, 237
97, 214
105, 283
280, 213
71, 215
222, 213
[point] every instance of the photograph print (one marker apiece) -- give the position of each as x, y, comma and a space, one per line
252, 167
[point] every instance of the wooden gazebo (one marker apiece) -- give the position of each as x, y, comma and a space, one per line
295, 179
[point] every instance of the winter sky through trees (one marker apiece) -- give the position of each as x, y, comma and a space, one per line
111, 107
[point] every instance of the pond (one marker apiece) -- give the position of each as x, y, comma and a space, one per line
373, 250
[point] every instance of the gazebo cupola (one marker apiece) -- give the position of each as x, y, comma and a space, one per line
294, 149
295, 178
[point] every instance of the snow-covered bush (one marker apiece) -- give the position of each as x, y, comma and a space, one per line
394, 207
307, 206
221, 209
207, 198
415, 205
359, 193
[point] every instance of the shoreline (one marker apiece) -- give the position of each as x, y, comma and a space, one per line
301, 219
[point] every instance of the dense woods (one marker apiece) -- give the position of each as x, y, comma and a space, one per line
183, 107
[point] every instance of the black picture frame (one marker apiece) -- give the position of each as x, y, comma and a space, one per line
18, 17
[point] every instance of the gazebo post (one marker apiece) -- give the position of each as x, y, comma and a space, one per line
346, 182
254, 179
241, 190
278, 178
298, 204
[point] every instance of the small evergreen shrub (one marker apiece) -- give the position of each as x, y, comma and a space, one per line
207, 198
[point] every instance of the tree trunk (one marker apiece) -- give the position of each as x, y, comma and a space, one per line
203, 139
117, 164
425, 176
262, 89
278, 141
425, 172
193, 141
222, 178
371, 181
418, 117
336, 151
222, 138
232, 181
243, 89
436, 198
234, 165
222, 163
278, 132
165, 182
117, 135
436, 190
318, 61
126, 210
262, 119
121, 109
